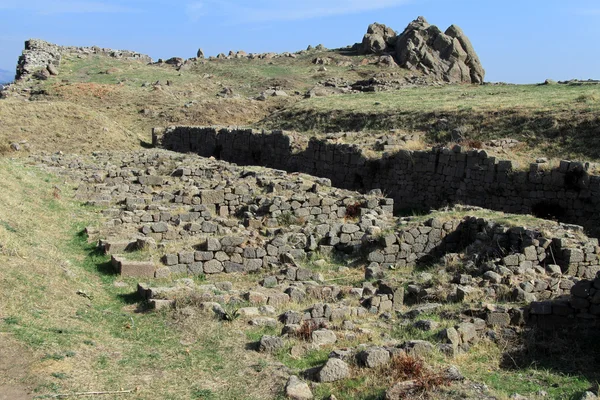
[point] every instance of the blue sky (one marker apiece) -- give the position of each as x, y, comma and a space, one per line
522, 41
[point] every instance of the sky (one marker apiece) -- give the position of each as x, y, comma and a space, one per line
524, 41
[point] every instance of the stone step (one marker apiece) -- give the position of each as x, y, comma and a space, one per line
117, 246
138, 269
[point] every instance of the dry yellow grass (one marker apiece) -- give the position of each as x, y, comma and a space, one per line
61, 126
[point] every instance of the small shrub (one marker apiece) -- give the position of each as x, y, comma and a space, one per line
472, 144
307, 328
353, 210
230, 314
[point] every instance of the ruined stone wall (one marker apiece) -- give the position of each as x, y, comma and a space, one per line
414, 179
582, 306
39, 55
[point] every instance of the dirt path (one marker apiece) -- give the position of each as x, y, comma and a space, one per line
15, 363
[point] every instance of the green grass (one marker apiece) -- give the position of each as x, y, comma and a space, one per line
254, 335
312, 358
556, 121
360, 388
534, 98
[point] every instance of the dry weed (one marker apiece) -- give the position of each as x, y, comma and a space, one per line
419, 378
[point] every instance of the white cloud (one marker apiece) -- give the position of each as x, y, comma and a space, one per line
65, 7
284, 10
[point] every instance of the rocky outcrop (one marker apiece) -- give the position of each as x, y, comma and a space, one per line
449, 55
42, 59
378, 39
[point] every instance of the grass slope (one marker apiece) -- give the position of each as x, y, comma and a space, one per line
61, 126
558, 120
552, 120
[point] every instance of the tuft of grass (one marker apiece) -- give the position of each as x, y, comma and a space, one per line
404, 367
287, 219
11, 320
312, 358
254, 335
202, 394
587, 98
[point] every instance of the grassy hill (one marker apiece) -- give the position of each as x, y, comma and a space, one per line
556, 121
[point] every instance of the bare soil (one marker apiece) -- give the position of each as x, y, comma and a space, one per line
15, 362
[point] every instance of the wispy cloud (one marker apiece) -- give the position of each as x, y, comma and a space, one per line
196, 10
282, 10
65, 7
587, 11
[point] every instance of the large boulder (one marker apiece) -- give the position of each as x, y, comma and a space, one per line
476, 70
378, 39
374, 357
447, 56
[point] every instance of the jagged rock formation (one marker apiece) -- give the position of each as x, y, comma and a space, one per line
41, 58
447, 55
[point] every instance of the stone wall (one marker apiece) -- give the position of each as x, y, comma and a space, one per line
414, 179
582, 306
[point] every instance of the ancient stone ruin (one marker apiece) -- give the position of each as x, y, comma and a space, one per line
428, 179
449, 55
173, 217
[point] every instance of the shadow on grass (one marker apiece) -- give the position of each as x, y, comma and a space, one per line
252, 346
130, 298
141, 305
95, 257
146, 145
572, 351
